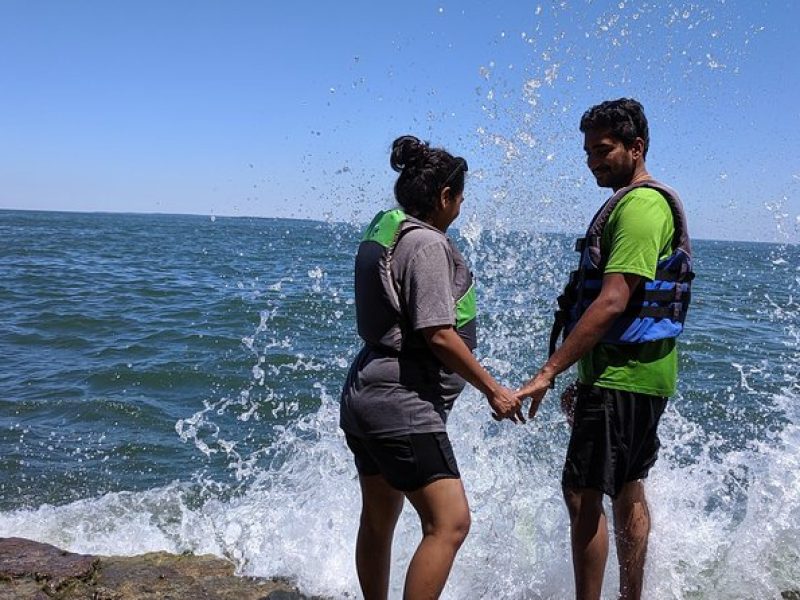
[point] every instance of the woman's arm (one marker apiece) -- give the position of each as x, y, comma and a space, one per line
450, 349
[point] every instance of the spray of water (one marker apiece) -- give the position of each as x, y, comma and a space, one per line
724, 500
723, 494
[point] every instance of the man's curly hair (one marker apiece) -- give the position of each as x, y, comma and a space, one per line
623, 117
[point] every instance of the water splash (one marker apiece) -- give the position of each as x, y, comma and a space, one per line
284, 501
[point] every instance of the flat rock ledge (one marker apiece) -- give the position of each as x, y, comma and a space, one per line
35, 571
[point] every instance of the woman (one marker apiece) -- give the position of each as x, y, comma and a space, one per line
415, 308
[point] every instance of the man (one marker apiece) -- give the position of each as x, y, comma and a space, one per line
620, 314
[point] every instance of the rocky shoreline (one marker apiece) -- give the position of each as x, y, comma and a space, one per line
35, 571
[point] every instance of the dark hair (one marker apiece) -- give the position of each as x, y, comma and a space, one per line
623, 117
424, 173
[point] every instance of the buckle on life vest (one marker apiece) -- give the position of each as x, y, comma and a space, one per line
677, 308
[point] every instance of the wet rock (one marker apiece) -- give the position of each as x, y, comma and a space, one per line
51, 566
33, 570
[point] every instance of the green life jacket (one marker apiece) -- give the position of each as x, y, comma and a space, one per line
380, 314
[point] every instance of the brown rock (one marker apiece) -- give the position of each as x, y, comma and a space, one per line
32, 570
51, 566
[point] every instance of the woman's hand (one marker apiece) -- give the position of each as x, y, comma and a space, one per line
450, 349
505, 405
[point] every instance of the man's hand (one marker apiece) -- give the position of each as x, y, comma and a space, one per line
535, 389
505, 405
568, 398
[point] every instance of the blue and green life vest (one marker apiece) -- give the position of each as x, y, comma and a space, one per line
379, 306
657, 309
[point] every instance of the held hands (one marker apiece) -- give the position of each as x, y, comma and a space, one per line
508, 405
505, 405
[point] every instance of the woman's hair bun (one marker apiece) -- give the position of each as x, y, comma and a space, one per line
406, 150
424, 171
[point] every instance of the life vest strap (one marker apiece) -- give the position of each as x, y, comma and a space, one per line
675, 312
669, 276
381, 349
559, 321
676, 294
662, 296
404, 352
681, 277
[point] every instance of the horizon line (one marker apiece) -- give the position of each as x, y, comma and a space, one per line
214, 216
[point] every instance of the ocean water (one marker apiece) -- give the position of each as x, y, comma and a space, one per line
171, 383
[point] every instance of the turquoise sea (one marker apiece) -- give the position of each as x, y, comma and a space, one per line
171, 383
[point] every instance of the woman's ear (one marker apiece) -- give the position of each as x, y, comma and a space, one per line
444, 198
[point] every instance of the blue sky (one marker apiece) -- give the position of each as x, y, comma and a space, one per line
289, 108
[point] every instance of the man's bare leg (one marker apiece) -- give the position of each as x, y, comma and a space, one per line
380, 509
631, 529
589, 537
444, 515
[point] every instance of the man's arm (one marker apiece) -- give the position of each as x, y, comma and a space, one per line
615, 293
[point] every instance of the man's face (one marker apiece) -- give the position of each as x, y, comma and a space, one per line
611, 163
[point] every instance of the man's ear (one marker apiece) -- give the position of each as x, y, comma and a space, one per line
638, 148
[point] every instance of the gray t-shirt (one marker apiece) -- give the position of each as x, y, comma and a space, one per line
412, 393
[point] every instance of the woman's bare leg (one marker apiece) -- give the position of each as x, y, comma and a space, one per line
380, 509
444, 514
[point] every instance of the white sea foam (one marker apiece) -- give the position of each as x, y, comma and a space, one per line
726, 512
724, 525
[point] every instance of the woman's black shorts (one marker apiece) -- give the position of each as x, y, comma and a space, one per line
407, 462
614, 439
